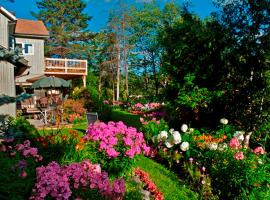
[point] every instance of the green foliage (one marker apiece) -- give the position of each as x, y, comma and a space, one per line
16, 128
128, 118
191, 96
66, 22
241, 177
4, 99
12, 186
153, 128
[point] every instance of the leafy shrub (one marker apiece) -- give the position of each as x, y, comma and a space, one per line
73, 109
128, 118
116, 145
17, 128
18, 163
152, 128
60, 182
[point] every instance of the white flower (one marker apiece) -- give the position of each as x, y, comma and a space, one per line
213, 146
191, 130
158, 137
222, 146
184, 146
154, 139
168, 144
176, 137
224, 121
239, 135
171, 131
163, 135
184, 128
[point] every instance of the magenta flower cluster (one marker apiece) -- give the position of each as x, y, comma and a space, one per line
117, 135
57, 182
28, 151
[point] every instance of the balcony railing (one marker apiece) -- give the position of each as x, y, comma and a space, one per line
65, 66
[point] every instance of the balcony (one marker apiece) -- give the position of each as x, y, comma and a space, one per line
66, 68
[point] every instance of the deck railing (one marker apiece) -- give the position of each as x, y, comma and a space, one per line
65, 66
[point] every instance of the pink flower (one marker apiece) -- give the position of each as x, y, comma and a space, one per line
259, 150
23, 174
234, 143
239, 156
3, 148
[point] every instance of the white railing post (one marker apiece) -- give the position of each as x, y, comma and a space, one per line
66, 65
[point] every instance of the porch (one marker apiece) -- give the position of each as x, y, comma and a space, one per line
66, 68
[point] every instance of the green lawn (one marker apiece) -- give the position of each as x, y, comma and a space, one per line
167, 182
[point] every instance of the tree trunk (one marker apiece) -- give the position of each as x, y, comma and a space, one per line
118, 72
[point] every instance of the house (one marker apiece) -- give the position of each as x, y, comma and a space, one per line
9, 69
29, 36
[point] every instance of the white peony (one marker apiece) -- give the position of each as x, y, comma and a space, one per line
168, 144
154, 139
213, 146
224, 121
239, 135
176, 137
184, 146
184, 128
222, 146
171, 131
191, 130
163, 135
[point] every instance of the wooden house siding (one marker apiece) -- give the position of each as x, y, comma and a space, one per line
7, 87
36, 61
4, 37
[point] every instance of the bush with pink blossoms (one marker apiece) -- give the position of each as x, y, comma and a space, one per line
63, 182
17, 163
116, 145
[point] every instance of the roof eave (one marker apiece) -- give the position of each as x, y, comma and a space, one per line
8, 14
30, 35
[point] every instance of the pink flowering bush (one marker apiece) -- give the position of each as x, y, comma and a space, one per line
17, 163
28, 151
117, 144
61, 182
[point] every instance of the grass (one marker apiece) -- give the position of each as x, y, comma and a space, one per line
128, 118
81, 128
167, 182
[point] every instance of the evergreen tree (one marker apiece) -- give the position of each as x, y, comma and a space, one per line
66, 23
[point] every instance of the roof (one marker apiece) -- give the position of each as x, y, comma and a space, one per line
30, 27
8, 14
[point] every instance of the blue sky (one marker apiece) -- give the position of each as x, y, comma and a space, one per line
99, 9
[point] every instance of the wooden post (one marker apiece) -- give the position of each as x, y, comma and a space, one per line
84, 81
66, 65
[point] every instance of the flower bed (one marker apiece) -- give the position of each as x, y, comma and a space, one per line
58, 182
117, 143
149, 185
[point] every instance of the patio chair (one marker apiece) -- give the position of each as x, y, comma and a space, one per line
43, 101
91, 117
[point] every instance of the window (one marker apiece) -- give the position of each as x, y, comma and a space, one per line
28, 49
25, 48
19, 46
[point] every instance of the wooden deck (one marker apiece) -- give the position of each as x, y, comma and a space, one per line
70, 67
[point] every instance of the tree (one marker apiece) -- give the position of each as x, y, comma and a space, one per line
248, 22
145, 25
66, 23
194, 65
225, 54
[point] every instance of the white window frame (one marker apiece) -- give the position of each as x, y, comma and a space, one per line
23, 48
33, 49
